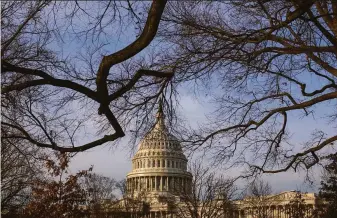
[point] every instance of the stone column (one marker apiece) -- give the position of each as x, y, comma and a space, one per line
155, 183
278, 211
173, 187
142, 183
139, 183
180, 183
146, 183
161, 183
130, 185
167, 183
136, 179
151, 183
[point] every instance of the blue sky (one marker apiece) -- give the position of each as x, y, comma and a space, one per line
115, 161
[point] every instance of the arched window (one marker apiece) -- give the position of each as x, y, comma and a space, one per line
158, 163
153, 163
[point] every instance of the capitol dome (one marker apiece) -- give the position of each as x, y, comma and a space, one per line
159, 166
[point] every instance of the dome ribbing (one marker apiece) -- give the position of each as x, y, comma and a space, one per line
159, 164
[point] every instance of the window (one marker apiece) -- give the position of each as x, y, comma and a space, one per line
153, 163
158, 163
163, 163
168, 163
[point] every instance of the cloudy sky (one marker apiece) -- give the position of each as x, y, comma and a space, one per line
115, 161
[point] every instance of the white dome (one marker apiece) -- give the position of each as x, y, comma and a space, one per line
159, 164
159, 142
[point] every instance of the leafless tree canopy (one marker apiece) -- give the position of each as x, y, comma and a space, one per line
209, 195
98, 189
49, 96
19, 167
254, 58
264, 65
258, 196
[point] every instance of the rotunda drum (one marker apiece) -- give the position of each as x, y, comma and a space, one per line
159, 164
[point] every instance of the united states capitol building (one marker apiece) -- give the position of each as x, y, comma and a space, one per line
159, 174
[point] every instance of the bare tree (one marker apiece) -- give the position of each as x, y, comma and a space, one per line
131, 203
253, 57
328, 189
256, 59
259, 199
297, 207
209, 196
99, 190
49, 98
20, 165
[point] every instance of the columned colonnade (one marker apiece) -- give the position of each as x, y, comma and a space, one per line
159, 163
159, 183
273, 211
152, 214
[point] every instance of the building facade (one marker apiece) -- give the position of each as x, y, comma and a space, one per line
289, 204
159, 169
159, 176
